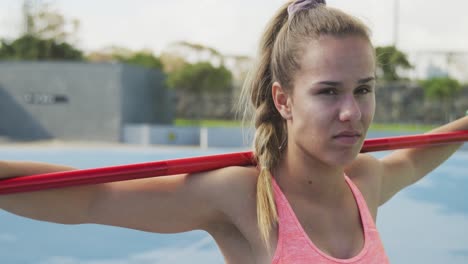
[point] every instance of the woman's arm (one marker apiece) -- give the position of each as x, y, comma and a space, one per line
162, 204
9, 169
45, 205
405, 167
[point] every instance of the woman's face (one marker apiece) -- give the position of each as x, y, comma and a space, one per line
332, 102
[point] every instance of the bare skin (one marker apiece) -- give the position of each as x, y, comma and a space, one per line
328, 98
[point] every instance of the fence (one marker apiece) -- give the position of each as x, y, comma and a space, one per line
213, 137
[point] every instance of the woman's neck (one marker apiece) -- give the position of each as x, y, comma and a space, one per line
302, 175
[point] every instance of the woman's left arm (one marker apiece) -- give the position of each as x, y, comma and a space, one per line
405, 167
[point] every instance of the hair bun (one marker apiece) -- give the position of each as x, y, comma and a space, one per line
303, 5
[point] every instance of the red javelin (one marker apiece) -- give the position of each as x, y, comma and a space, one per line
196, 164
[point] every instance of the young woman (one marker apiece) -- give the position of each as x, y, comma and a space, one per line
312, 198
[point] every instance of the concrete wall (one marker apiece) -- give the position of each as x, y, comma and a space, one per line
17, 122
145, 98
76, 101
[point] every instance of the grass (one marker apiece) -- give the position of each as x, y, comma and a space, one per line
207, 123
237, 123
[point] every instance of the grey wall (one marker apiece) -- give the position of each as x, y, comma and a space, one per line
73, 101
139, 84
17, 122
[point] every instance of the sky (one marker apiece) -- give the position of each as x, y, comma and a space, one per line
234, 27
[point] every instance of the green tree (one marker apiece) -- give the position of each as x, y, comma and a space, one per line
200, 77
143, 58
200, 51
389, 60
172, 62
45, 36
29, 47
444, 90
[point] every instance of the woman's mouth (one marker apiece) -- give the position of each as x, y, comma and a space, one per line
348, 137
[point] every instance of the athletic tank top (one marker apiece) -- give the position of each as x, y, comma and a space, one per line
295, 247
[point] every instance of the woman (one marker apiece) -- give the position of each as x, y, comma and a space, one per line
312, 198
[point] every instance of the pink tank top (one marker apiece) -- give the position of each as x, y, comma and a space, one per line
295, 247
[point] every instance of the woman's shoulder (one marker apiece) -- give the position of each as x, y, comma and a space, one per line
233, 192
236, 185
233, 178
230, 188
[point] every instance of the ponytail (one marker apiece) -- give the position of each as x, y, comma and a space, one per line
269, 125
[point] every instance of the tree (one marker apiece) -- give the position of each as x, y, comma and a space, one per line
143, 58
200, 77
29, 47
45, 36
444, 90
172, 62
195, 52
42, 21
109, 54
389, 60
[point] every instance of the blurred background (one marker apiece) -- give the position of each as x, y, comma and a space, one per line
130, 67
100, 83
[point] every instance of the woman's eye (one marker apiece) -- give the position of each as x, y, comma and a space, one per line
363, 90
328, 92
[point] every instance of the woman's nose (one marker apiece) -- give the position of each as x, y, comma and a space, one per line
350, 110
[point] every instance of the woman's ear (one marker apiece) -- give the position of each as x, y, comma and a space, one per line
282, 100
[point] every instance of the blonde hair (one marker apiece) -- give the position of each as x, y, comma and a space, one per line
281, 46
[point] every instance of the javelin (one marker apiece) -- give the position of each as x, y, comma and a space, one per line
196, 164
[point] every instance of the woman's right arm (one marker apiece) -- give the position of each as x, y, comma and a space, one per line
167, 204
9, 169
66, 205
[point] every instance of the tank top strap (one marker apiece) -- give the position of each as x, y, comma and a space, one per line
286, 215
289, 229
361, 202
